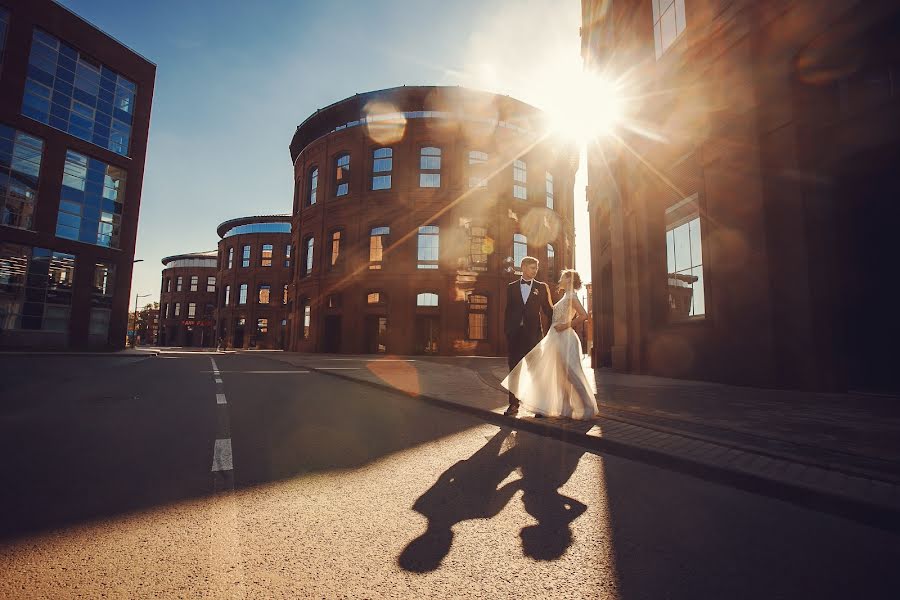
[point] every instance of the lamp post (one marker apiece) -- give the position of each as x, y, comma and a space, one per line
134, 331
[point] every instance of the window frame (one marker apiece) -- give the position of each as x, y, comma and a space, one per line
340, 172
425, 172
421, 235
384, 173
484, 312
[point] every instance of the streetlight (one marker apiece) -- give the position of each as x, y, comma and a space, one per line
134, 331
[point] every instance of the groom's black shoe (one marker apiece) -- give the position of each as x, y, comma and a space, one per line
511, 411
538, 416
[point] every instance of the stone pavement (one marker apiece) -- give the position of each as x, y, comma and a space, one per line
833, 452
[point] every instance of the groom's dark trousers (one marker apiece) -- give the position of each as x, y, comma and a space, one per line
522, 322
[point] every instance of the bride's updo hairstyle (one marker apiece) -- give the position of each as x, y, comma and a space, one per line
576, 278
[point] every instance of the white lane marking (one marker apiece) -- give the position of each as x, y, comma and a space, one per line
283, 372
215, 366
340, 368
220, 399
222, 455
218, 380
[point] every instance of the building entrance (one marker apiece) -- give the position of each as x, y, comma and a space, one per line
376, 332
331, 340
428, 331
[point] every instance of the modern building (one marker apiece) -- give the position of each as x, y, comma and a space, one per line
412, 209
187, 300
742, 216
255, 265
74, 117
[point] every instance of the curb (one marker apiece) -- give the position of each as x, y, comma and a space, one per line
868, 513
117, 354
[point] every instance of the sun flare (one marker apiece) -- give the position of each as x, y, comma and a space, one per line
588, 107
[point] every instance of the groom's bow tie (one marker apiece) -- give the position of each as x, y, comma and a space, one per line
524, 282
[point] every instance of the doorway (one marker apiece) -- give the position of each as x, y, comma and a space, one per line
375, 334
331, 338
239, 325
427, 334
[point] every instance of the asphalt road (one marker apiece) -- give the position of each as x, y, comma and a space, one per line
341, 490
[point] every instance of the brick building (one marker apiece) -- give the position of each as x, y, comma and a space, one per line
187, 300
412, 209
74, 119
255, 261
742, 232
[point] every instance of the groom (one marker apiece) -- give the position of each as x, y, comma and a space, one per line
526, 299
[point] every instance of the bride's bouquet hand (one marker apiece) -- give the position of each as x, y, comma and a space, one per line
561, 326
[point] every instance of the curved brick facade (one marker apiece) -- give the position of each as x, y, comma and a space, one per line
187, 300
415, 299
259, 320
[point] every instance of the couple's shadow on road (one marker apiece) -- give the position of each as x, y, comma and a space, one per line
471, 489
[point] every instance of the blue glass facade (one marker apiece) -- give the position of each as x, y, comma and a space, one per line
71, 92
259, 228
20, 168
90, 207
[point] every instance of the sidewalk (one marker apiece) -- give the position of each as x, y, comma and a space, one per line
835, 452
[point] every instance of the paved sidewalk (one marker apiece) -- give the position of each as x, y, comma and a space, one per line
835, 452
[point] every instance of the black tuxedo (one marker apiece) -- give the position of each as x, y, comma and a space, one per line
522, 321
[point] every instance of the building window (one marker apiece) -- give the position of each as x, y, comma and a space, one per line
308, 263
307, 318
684, 260
20, 169
342, 175
284, 295
177, 309
263, 293
335, 249
195, 280
427, 299
477, 162
430, 167
245, 256
36, 286
178, 283
231, 258
549, 186
227, 298
74, 93
520, 175
333, 301
477, 317
192, 310
313, 186
208, 310
262, 326
287, 255
375, 298
91, 201
242, 294
266, 258
520, 251
211, 284
168, 284
4, 27
479, 248
551, 262
668, 22
377, 244
429, 246
382, 165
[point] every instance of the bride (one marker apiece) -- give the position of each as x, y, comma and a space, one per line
550, 380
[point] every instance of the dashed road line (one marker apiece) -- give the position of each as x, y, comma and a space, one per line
220, 399
223, 461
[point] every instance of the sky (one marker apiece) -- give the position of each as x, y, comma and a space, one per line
235, 78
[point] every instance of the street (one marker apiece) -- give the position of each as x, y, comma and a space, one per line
342, 490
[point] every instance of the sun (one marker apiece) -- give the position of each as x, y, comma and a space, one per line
588, 106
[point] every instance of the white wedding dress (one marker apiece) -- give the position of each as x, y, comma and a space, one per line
550, 379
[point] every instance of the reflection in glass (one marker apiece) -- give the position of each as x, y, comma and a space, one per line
342, 175
20, 167
428, 247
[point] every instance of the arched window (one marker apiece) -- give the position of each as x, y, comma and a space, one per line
377, 243
430, 167
231, 257
342, 175
520, 175
375, 298
242, 294
266, 256
308, 262
313, 190
477, 306
427, 299
307, 317
428, 247
382, 166
520, 250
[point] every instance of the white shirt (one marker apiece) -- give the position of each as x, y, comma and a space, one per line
525, 288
